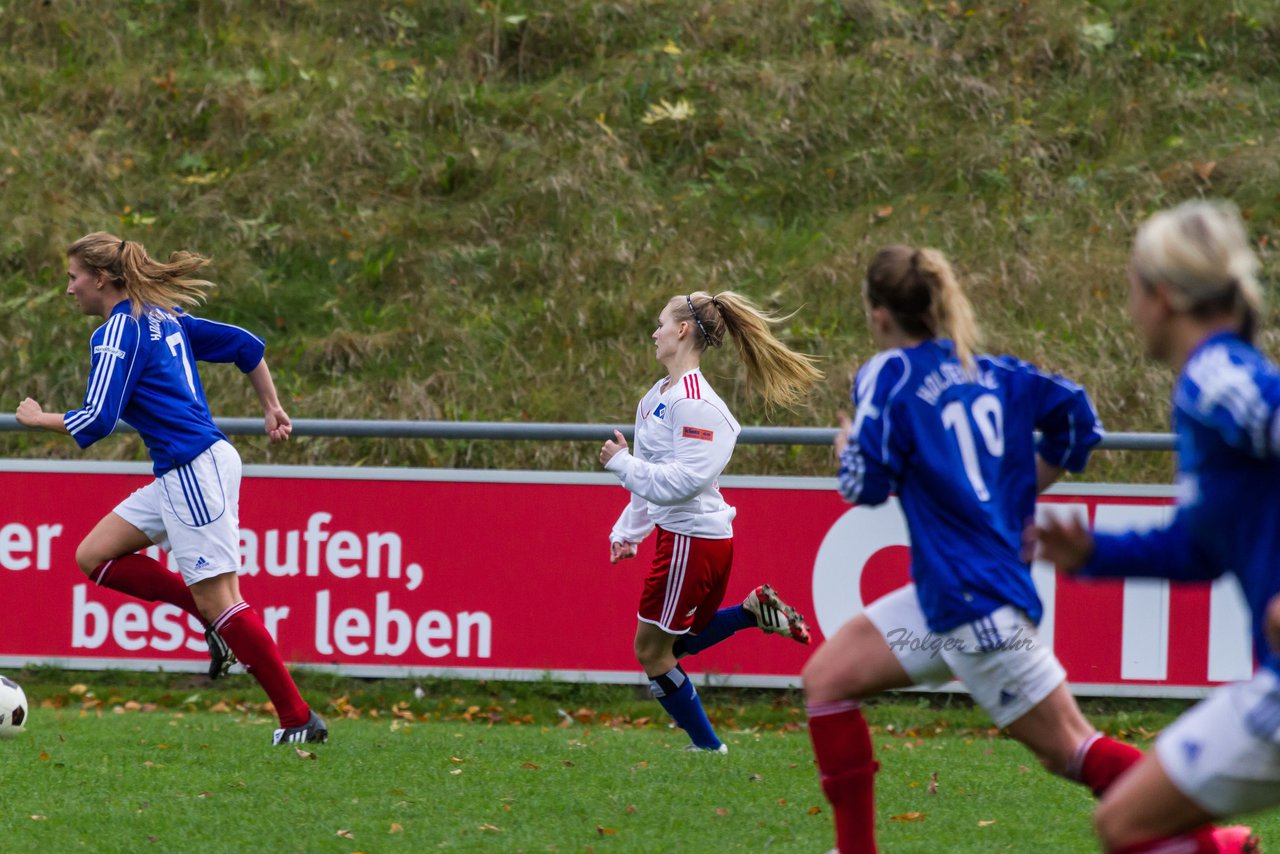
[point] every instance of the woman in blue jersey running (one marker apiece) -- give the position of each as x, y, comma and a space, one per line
952, 433
143, 371
1195, 300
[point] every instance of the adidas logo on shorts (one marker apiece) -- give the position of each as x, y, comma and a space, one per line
201, 563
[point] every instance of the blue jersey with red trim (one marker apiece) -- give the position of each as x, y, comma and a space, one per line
959, 448
143, 371
1226, 417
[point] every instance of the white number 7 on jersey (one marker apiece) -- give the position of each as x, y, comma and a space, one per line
178, 348
989, 416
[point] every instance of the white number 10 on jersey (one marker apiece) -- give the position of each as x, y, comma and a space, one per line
989, 416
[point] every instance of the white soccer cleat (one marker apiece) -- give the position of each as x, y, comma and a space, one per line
693, 748
775, 616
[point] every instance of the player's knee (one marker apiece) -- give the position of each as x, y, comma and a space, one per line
822, 684
1108, 824
86, 558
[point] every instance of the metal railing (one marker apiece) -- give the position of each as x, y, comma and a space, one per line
552, 432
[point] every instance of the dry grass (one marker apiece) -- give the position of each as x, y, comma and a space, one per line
456, 210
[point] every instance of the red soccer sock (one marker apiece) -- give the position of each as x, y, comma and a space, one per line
842, 746
1100, 760
242, 629
145, 578
1196, 842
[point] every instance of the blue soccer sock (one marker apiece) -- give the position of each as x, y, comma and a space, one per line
722, 625
674, 690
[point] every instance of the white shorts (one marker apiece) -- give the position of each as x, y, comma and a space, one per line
1224, 753
193, 511
999, 658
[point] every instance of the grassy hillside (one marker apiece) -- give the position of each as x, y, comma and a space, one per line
474, 210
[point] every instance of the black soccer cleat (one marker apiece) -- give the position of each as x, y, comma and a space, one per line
313, 731
220, 655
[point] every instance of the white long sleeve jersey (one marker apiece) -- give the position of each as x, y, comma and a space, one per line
683, 440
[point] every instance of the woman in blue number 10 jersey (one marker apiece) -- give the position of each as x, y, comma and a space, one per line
953, 434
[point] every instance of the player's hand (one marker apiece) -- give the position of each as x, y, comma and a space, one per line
277, 424
1272, 626
29, 413
1064, 542
611, 448
621, 551
842, 435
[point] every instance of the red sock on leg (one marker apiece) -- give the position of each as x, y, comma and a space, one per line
842, 746
1100, 760
1196, 842
145, 578
242, 629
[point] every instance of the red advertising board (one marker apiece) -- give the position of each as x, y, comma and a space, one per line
506, 575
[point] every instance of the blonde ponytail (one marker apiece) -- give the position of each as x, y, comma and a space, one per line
145, 281
782, 375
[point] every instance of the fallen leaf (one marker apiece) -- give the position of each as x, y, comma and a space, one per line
530, 765
908, 816
78, 689
43, 757
455, 760
721, 811
814, 810
39, 818
605, 831
630, 809
755, 778
396, 827
304, 754
489, 827
932, 788
345, 834
1204, 170
567, 763
456, 771
986, 823
884, 212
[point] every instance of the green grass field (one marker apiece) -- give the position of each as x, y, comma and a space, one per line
129, 762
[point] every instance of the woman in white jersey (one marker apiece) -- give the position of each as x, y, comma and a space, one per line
684, 436
143, 372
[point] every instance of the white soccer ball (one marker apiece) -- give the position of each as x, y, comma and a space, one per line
13, 708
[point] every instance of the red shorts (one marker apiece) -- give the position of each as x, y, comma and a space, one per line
686, 583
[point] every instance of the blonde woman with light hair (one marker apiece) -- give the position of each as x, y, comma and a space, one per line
143, 371
684, 437
1195, 299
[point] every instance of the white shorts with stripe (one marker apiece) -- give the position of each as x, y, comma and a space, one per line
1224, 753
193, 511
999, 658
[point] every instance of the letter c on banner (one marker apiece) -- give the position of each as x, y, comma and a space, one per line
843, 556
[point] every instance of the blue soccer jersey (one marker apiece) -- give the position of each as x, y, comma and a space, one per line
959, 449
143, 371
1226, 417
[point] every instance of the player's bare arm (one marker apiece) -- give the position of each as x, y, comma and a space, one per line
31, 414
276, 421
